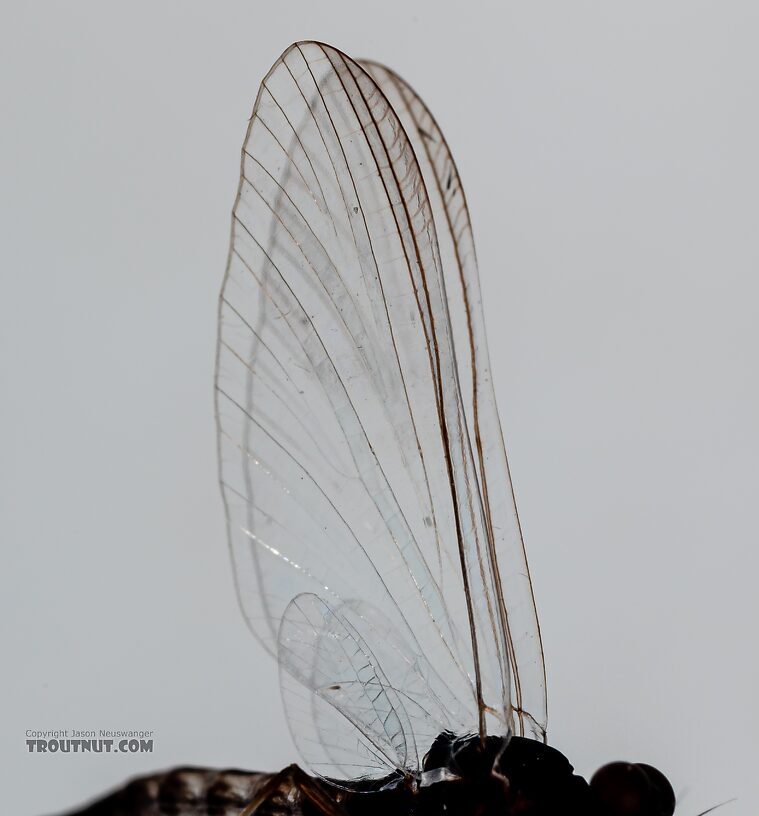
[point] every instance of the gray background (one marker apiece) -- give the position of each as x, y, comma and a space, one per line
609, 154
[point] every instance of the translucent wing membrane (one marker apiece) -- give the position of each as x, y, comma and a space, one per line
358, 453
504, 534
354, 721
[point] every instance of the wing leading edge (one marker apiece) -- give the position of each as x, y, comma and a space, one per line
516, 601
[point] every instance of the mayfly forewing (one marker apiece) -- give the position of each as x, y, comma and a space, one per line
504, 537
336, 392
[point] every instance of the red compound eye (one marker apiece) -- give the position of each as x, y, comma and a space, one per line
664, 795
633, 789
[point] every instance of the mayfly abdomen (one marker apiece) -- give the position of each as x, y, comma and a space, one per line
183, 792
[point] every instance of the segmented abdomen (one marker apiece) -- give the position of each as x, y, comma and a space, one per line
183, 792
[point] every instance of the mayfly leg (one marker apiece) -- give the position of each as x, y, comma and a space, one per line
293, 791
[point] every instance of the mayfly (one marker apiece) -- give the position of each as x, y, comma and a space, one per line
373, 527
